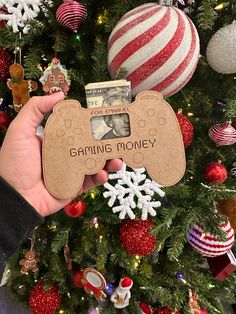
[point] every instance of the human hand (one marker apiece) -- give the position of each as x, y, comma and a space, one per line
20, 157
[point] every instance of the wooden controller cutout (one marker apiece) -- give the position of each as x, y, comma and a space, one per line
70, 152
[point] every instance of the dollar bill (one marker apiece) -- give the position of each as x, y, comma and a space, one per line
109, 93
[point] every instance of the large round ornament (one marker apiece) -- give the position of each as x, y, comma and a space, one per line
186, 128
5, 62
222, 134
221, 48
5, 119
42, 301
157, 46
135, 237
215, 172
207, 244
71, 14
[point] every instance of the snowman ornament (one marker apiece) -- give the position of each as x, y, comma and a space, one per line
121, 295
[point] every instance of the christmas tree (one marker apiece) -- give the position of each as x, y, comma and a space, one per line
133, 246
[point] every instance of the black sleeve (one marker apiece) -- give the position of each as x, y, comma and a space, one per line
17, 219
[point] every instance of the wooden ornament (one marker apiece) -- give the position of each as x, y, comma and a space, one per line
70, 152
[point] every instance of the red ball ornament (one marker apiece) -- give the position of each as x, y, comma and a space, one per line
145, 308
215, 172
3, 10
42, 301
135, 237
71, 14
157, 45
5, 119
76, 209
5, 62
186, 129
77, 279
165, 310
207, 244
223, 134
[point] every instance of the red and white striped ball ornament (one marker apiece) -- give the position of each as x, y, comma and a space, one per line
207, 244
71, 14
157, 46
223, 133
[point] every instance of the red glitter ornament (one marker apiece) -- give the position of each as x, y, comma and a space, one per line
165, 310
75, 209
215, 172
186, 129
42, 301
145, 308
5, 62
5, 119
135, 237
71, 14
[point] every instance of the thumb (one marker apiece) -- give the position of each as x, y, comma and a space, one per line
32, 113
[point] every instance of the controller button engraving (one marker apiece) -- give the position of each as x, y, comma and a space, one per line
161, 121
152, 132
60, 133
151, 112
142, 123
68, 123
70, 140
78, 131
90, 163
138, 157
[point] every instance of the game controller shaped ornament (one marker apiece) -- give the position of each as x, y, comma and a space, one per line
70, 152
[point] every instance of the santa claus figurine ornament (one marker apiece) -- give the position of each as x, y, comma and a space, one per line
120, 297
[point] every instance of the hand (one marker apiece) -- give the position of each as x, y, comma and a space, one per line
20, 157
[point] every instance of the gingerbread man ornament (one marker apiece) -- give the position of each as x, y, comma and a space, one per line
20, 88
30, 262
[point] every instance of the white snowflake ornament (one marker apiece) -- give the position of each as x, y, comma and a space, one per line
132, 190
19, 13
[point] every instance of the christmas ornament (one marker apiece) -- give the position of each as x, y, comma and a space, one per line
92, 281
145, 308
222, 134
135, 237
3, 10
157, 46
193, 302
67, 257
222, 266
20, 88
5, 62
220, 51
120, 297
42, 301
29, 262
77, 278
186, 128
109, 289
55, 78
5, 119
228, 208
165, 310
215, 172
207, 244
19, 12
71, 14
76, 209
132, 185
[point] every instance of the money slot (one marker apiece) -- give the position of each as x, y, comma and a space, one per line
111, 126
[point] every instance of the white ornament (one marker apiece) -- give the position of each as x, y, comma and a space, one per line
121, 295
19, 12
221, 49
129, 187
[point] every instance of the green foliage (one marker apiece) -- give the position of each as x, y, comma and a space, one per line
190, 201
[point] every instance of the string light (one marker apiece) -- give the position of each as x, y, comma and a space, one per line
61, 312
77, 37
102, 17
100, 238
220, 6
